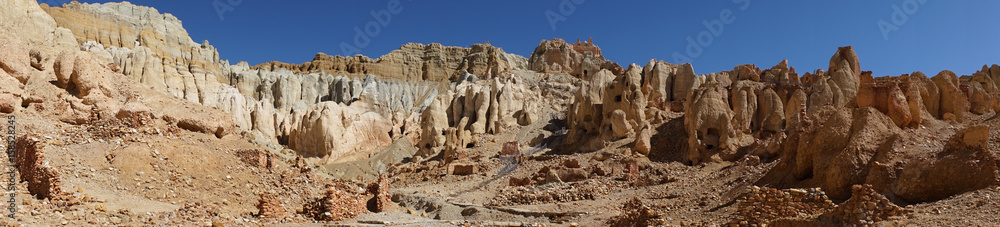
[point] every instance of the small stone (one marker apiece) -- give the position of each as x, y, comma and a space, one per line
469, 211
461, 169
571, 163
101, 207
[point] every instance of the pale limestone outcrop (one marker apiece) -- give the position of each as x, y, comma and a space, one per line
26, 20
684, 81
658, 79
332, 131
744, 104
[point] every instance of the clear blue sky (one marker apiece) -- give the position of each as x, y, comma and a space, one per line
956, 35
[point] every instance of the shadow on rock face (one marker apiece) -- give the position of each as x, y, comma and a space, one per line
670, 144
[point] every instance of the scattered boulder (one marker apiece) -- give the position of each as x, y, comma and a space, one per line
642, 140
553, 174
462, 169
63, 67
571, 163
12, 93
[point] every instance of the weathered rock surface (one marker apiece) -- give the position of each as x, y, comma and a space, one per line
839, 123
834, 152
585, 117
433, 122
953, 101
123, 25
580, 59
413, 61
885, 95
845, 70
771, 112
965, 164
658, 83
455, 120
624, 104
708, 120
330, 131
42, 180
27, 20
684, 82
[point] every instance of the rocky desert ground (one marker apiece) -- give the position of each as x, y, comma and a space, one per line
114, 116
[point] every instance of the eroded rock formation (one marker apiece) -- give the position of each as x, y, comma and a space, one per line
433, 62
580, 59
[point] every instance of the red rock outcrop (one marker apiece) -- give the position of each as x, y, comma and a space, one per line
580, 59
885, 95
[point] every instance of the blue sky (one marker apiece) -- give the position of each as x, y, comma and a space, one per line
935, 34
